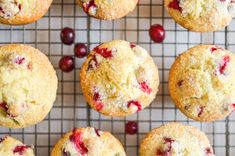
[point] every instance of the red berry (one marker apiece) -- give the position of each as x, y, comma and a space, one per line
157, 33
145, 87
233, 107
76, 138
104, 52
167, 151
98, 104
80, 50
67, 36
88, 5
67, 64
175, 4
20, 149
132, 45
208, 150
223, 66
200, 111
97, 132
66, 153
180, 83
19, 60
168, 140
2, 139
3, 105
135, 103
131, 127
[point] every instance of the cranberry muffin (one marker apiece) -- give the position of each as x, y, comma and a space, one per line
107, 9
12, 147
28, 85
119, 78
19, 12
202, 83
201, 15
175, 139
88, 142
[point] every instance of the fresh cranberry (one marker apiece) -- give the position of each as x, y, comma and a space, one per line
208, 150
2, 11
2, 139
20, 149
19, 60
3, 105
201, 110
135, 103
66, 153
67, 36
96, 96
145, 88
131, 127
168, 140
99, 105
223, 66
175, 4
92, 63
157, 33
233, 106
180, 83
163, 153
213, 49
97, 132
76, 138
132, 45
166, 151
104, 52
88, 5
20, 6
67, 64
80, 50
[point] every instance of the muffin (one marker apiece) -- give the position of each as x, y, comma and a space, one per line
19, 12
201, 15
175, 139
28, 85
12, 147
119, 78
88, 141
107, 9
202, 83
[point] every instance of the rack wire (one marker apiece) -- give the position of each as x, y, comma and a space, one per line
70, 109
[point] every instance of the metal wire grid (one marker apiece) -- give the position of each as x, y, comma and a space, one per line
70, 109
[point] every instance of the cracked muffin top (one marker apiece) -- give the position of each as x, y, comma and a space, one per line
19, 12
107, 9
88, 142
202, 83
201, 15
28, 85
176, 139
119, 78
11, 147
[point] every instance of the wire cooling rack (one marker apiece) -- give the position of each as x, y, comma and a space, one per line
70, 109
